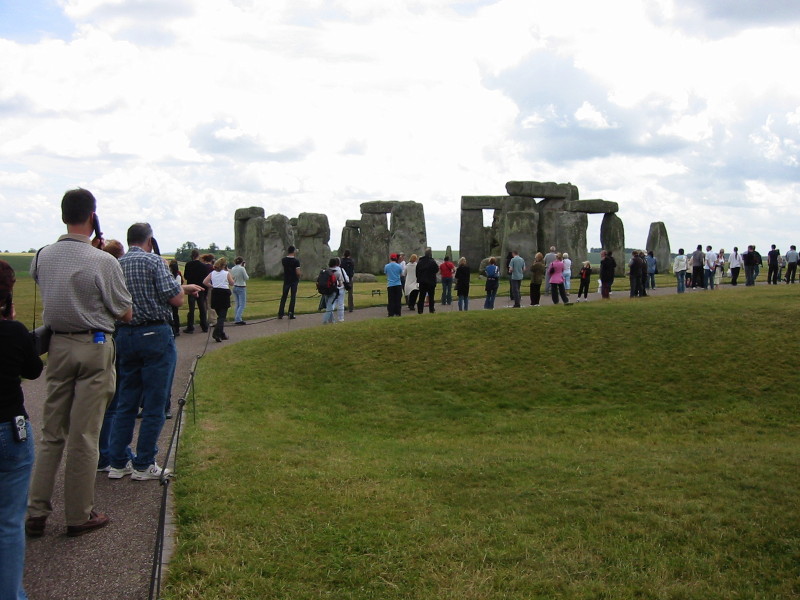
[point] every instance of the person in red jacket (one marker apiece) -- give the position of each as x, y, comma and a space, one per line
447, 269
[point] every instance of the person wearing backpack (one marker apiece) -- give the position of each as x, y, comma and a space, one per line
328, 283
394, 286
492, 283
348, 265
343, 287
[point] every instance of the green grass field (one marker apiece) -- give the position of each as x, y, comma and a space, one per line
643, 449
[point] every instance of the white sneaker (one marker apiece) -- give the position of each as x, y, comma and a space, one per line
120, 473
151, 472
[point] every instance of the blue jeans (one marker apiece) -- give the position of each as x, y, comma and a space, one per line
708, 279
146, 367
463, 302
16, 464
330, 304
651, 281
490, 296
681, 276
240, 294
447, 290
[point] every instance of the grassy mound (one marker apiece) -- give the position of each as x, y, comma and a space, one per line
642, 449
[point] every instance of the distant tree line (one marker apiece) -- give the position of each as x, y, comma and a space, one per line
184, 253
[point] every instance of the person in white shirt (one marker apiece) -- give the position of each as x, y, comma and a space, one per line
791, 264
708, 268
240, 277
679, 266
343, 282
735, 264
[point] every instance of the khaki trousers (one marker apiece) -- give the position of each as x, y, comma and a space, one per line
80, 384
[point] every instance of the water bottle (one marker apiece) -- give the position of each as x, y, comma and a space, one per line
99, 337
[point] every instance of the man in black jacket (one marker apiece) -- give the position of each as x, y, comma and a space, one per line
427, 270
195, 272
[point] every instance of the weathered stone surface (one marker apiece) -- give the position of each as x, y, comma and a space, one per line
407, 233
473, 242
449, 252
482, 202
351, 240
249, 240
364, 278
377, 207
594, 206
520, 234
311, 238
242, 214
277, 236
612, 237
658, 242
571, 237
353, 223
548, 223
374, 240
539, 189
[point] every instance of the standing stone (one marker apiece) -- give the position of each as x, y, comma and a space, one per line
374, 252
612, 237
549, 211
351, 239
520, 234
407, 233
449, 252
311, 238
474, 242
658, 242
571, 237
277, 237
247, 227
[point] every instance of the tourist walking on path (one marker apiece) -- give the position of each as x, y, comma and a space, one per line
556, 279
719, 267
679, 269
735, 265
411, 286
585, 279
548, 260
240, 277
608, 268
791, 264
427, 269
194, 273
698, 261
709, 267
652, 269
447, 269
492, 283
176, 317
349, 267
343, 285
17, 359
537, 278
772, 265
567, 271
516, 270
291, 277
636, 267
83, 291
220, 283
394, 287
462, 284
749, 261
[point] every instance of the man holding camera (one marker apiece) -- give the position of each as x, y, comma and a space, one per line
83, 292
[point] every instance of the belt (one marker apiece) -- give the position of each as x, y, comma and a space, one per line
240, 286
85, 332
145, 323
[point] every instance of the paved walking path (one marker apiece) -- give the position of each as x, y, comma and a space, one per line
115, 562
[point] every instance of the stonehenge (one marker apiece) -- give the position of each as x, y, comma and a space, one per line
533, 217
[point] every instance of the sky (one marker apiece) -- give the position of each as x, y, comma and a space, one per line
180, 112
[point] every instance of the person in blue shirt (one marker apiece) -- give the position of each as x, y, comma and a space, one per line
394, 287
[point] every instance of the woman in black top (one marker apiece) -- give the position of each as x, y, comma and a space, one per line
17, 359
462, 284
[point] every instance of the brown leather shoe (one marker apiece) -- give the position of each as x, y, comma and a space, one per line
34, 526
96, 521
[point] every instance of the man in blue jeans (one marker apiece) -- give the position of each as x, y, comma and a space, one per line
146, 357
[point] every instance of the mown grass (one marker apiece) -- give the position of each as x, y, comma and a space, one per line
639, 449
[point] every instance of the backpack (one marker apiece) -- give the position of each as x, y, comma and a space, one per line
326, 282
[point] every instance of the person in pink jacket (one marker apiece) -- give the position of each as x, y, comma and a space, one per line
555, 276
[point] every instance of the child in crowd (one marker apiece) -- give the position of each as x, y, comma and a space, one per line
585, 277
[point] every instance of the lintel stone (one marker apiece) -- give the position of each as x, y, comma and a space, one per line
594, 206
377, 207
542, 189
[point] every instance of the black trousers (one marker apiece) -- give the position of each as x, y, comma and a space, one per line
200, 303
426, 289
697, 276
772, 274
536, 293
583, 288
791, 270
395, 300
735, 275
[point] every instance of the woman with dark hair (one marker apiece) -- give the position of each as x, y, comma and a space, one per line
220, 282
17, 359
608, 266
176, 319
462, 284
492, 282
537, 277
